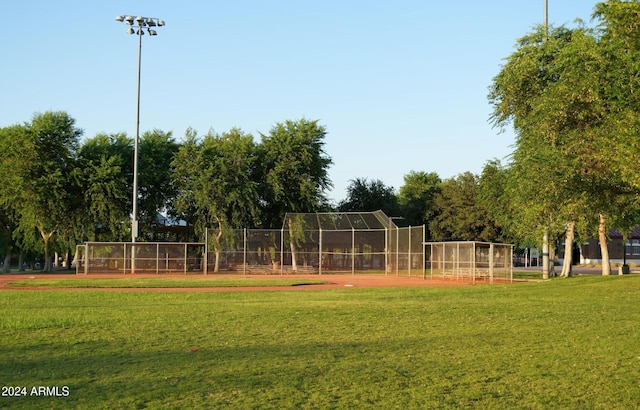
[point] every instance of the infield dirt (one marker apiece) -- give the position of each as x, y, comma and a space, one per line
332, 282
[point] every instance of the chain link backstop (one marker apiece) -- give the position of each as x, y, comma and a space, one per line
388, 251
320, 243
331, 242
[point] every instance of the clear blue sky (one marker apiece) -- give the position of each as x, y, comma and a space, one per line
399, 85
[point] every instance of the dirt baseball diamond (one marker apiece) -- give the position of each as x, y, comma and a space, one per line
334, 281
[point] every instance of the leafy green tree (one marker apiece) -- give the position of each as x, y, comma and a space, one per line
12, 159
107, 161
566, 99
214, 184
155, 192
536, 90
618, 32
459, 215
365, 195
114, 152
6, 240
106, 202
293, 170
183, 180
41, 174
492, 186
104, 146
416, 197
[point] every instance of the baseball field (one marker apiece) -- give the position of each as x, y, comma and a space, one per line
316, 343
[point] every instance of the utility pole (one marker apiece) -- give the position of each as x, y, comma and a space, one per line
545, 239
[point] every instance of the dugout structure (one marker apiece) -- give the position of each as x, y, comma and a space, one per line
470, 261
140, 257
322, 243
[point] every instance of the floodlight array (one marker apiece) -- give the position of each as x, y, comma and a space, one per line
140, 23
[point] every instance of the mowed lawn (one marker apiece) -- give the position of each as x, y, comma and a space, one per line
565, 343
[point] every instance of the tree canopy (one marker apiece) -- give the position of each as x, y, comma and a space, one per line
41, 188
570, 97
416, 197
370, 195
293, 170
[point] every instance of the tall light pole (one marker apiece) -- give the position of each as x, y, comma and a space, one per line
546, 19
138, 25
546, 267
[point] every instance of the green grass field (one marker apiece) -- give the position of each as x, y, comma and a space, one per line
564, 343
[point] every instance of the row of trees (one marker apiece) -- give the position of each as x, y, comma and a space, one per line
57, 190
453, 209
572, 96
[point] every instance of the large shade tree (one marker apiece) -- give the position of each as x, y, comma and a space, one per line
370, 195
155, 191
6, 241
108, 164
492, 184
572, 99
459, 214
12, 159
619, 34
113, 154
42, 183
538, 178
416, 198
293, 170
214, 185
550, 89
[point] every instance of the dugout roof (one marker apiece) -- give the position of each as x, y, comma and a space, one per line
340, 221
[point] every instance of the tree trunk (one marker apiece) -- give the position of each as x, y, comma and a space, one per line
21, 261
68, 260
545, 256
75, 258
6, 268
604, 248
216, 265
568, 250
294, 264
552, 260
47, 260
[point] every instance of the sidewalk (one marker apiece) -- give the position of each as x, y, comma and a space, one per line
575, 269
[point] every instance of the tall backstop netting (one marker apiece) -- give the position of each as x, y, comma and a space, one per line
332, 242
340, 242
470, 261
140, 257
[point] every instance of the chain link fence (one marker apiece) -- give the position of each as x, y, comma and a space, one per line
470, 261
330, 242
320, 243
386, 251
140, 257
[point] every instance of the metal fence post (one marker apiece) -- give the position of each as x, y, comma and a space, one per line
206, 250
86, 258
353, 251
320, 252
